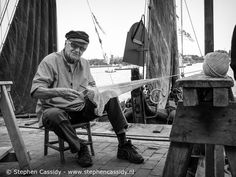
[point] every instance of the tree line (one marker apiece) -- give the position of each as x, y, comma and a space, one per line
119, 60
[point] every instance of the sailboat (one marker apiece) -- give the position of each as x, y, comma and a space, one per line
110, 70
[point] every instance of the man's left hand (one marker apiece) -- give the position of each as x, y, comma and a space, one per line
90, 92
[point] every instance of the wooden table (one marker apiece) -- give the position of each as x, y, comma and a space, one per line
7, 110
207, 115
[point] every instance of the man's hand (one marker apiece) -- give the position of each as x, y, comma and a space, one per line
89, 92
68, 94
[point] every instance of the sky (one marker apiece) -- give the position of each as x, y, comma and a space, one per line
117, 16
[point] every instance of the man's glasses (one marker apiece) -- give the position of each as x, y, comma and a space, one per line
75, 46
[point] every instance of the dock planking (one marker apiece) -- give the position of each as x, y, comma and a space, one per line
153, 150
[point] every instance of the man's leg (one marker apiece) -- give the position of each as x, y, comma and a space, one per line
58, 120
116, 116
119, 123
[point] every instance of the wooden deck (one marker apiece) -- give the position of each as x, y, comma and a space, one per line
150, 143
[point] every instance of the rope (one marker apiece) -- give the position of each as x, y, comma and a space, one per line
0, 25
144, 53
193, 28
182, 50
96, 23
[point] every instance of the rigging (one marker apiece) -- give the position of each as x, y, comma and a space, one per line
96, 24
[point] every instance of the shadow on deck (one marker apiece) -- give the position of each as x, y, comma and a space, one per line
152, 146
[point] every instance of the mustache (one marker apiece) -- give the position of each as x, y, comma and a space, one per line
76, 53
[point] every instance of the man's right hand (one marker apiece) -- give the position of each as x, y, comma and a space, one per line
68, 93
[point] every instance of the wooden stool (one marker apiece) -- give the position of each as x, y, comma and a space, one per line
7, 110
205, 116
61, 147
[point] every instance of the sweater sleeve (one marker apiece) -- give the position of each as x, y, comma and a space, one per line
233, 52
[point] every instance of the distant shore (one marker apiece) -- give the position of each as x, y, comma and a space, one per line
102, 66
114, 66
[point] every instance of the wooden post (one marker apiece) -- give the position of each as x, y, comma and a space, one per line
137, 99
209, 47
13, 130
209, 26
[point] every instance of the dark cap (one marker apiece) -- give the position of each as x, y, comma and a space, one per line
77, 35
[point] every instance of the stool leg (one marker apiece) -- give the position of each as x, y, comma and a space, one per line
90, 138
177, 160
46, 139
61, 149
231, 155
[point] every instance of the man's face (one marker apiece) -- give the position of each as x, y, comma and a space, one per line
74, 48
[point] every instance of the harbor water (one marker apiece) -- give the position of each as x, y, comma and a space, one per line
119, 76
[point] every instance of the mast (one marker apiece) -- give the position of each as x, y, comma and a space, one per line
209, 26
209, 47
182, 42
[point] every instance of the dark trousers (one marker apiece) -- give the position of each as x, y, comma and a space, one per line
59, 120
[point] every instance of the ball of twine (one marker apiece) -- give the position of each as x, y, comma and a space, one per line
216, 64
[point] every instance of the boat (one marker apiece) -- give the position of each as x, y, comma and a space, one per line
189, 64
110, 71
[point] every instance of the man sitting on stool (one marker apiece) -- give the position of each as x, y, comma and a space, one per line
59, 84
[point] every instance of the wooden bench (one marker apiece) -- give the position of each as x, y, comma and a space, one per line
207, 115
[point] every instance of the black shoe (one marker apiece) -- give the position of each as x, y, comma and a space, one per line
127, 151
73, 149
84, 159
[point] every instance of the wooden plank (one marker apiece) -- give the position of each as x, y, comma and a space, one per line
190, 97
220, 97
219, 160
5, 83
205, 124
13, 130
12, 103
8, 86
231, 95
158, 129
210, 161
10, 157
231, 154
4, 151
203, 81
177, 160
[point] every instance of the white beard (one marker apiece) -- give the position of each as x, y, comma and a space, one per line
72, 58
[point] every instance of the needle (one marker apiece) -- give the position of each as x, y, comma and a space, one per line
84, 91
83, 87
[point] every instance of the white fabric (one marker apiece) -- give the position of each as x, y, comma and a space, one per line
103, 94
